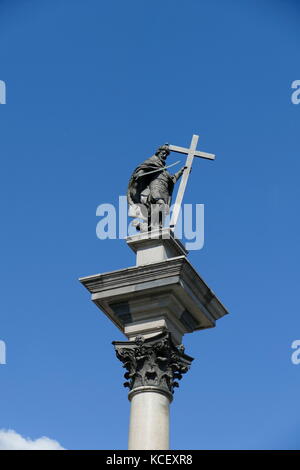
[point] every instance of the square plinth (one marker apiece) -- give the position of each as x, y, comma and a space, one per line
150, 298
154, 246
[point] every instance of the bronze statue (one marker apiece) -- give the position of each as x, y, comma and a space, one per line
150, 190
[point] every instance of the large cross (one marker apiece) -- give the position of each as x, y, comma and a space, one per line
191, 153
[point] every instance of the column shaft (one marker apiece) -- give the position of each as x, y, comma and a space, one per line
149, 421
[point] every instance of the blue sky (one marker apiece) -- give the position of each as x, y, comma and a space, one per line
92, 89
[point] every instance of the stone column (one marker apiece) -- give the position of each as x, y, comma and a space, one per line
153, 367
149, 419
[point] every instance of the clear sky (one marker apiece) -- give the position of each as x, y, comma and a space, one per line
92, 88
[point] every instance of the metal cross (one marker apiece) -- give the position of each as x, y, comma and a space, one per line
191, 153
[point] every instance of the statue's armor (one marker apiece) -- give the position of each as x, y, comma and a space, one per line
161, 187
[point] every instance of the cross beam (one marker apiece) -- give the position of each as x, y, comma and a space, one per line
191, 153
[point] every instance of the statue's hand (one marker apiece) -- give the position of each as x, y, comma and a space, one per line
182, 169
185, 168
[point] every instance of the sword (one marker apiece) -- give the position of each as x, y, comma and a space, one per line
159, 169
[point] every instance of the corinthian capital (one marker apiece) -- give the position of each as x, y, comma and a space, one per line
154, 362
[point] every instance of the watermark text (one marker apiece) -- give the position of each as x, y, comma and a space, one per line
113, 223
295, 357
2, 352
295, 97
2, 92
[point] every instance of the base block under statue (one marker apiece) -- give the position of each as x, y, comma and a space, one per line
162, 292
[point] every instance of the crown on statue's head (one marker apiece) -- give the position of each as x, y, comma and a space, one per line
163, 147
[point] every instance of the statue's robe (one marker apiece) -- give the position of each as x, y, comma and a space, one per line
147, 189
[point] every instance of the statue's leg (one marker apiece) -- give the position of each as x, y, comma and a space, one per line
157, 215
